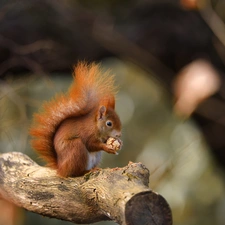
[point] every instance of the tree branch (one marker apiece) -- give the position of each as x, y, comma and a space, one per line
119, 194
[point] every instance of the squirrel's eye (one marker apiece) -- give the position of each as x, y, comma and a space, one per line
109, 123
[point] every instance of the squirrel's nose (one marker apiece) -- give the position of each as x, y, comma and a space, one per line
118, 135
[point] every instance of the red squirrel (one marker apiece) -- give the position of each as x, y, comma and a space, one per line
72, 129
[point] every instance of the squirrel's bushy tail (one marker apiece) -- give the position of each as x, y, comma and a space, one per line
93, 86
90, 89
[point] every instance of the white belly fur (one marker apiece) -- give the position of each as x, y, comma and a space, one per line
93, 159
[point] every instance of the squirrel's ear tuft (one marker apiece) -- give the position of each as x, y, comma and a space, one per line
101, 112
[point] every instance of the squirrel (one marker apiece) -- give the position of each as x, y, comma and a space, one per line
72, 129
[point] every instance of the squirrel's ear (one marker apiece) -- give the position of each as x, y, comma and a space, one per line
101, 112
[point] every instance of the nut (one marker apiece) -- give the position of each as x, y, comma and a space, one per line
114, 143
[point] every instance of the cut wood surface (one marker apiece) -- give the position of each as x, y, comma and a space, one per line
118, 194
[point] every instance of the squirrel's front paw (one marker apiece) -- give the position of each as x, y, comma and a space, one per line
110, 150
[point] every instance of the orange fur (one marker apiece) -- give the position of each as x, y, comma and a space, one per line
91, 88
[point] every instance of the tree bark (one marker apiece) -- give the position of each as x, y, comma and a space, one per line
119, 194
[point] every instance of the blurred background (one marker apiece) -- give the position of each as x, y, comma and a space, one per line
169, 60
